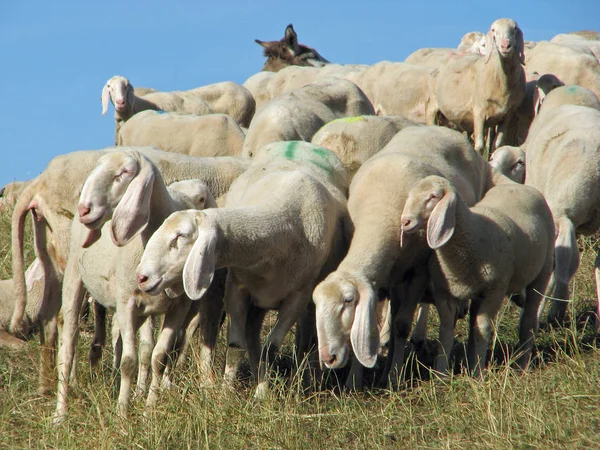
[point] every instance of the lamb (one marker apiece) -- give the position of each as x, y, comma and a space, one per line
120, 92
287, 52
346, 300
400, 88
299, 114
507, 239
137, 201
356, 139
52, 198
282, 228
477, 92
208, 135
563, 145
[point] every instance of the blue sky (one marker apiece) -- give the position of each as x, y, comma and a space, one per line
57, 56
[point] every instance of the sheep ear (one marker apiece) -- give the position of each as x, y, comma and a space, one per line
538, 99
364, 334
199, 267
105, 97
442, 221
133, 211
520, 44
291, 39
130, 94
490, 45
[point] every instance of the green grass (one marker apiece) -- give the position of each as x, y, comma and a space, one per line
555, 405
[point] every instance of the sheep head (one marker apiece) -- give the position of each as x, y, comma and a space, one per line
510, 162
432, 202
346, 313
118, 188
120, 92
507, 38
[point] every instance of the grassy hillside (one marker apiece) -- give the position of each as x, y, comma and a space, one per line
555, 405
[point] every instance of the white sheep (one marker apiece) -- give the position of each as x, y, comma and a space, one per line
397, 88
472, 42
356, 139
281, 229
378, 258
52, 198
563, 162
258, 85
477, 92
299, 114
507, 240
207, 135
10, 193
129, 189
288, 52
510, 162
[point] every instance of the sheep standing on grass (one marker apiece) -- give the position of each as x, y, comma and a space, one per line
129, 189
502, 245
280, 231
378, 258
477, 92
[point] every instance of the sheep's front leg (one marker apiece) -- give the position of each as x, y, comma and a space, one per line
146, 347
478, 130
172, 323
48, 341
289, 312
99, 340
129, 323
597, 275
481, 327
446, 306
73, 292
529, 322
236, 302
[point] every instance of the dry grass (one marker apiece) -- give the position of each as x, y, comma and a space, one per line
554, 405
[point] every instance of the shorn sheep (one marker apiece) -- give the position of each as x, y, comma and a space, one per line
507, 239
346, 300
137, 201
280, 231
477, 92
288, 52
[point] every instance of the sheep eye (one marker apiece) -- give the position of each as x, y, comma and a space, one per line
348, 298
173, 244
521, 162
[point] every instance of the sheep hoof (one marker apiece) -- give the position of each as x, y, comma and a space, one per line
58, 418
262, 390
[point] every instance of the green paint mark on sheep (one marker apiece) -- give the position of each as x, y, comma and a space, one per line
291, 153
572, 89
349, 119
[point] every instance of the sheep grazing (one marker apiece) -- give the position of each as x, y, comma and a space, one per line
208, 135
507, 239
563, 146
477, 92
287, 52
299, 114
280, 231
356, 139
128, 188
378, 259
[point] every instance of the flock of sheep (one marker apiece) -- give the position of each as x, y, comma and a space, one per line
325, 192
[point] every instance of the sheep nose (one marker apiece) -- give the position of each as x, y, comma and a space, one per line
141, 278
120, 102
405, 222
328, 358
83, 210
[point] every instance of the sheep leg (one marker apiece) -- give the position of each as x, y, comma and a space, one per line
254, 321
446, 306
95, 354
48, 341
73, 293
128, 323
117, 344
166, 340
307, 356
528, 322
419, 333
481, 327
566, 257
478, 131
289, 312
597, 275
237, 302
402, 323
145, 348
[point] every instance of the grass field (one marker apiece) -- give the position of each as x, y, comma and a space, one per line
555, 405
